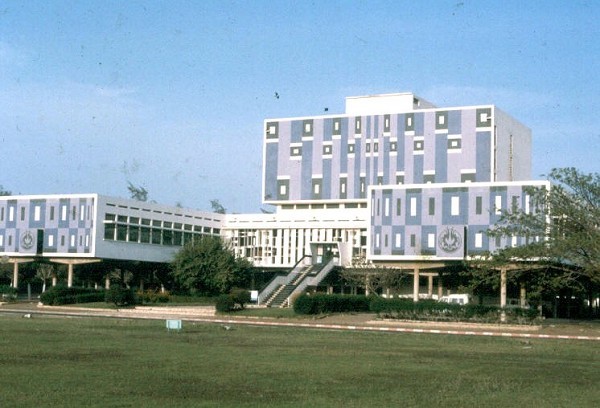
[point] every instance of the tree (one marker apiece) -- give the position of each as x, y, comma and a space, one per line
372, 277
208, 266
217, 207
44, 272
138, 193
562, 229
4, 192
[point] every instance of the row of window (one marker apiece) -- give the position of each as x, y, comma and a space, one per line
149, 235
454, 206
9, 213
483, 119
454, 145
83, 240
431, 240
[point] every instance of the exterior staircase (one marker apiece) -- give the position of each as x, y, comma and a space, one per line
279, 291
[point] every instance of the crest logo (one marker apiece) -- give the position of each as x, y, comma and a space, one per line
27, 240
449, 240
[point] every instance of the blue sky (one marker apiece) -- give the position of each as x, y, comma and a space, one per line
172, 95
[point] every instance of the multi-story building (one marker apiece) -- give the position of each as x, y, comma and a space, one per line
394, 179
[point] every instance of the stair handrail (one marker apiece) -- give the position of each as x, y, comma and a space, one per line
313, 280
278, 280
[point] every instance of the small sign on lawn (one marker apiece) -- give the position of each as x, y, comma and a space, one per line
173, 324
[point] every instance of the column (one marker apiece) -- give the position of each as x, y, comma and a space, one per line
503, 293
416, 285
107, 282
523, 297
69, 274
15, 280
429, 286
440, 288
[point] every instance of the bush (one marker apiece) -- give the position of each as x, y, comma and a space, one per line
225, 303
62, 295
7, 293
320, 303
120, 296
240, 297
431, 310
153, 296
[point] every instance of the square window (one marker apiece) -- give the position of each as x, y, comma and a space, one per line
418, 145
327, 149
393, 147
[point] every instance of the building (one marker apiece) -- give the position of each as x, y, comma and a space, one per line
394, 179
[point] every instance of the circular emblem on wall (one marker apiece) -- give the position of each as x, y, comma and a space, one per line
449, 240
27, 240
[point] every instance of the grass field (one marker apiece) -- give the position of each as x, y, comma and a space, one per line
82, 362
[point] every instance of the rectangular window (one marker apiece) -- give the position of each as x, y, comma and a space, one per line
63, 213
62, 240
513, 241
52, 213
498, 205
413, 206
10, 240
431, 240
498, 241
386, 123
37, 213
1, 240
527, 204
386, 211
282, 189
82, 213
50, 240
478, 205
478, 240
74, 213
2, 214
399, 206
357, 125
377, 240
413, 240
22, 213
72, 240
455, 206
398, 240
431, 206
87, 240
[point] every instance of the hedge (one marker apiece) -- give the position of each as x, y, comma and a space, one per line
62, 295
320, 303
431, 310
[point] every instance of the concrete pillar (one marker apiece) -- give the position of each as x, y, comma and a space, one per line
367, 293
107, 282
54, 279
523, 297
440, 288
416, 285
69, 274
503, 287
503, 293
430, 286
15, 280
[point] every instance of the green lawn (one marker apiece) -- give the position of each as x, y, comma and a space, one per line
78, 362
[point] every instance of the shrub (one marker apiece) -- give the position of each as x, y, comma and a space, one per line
225, 303
240, 296
120, 296
153, 296
62, 295
7, 293
320, 303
